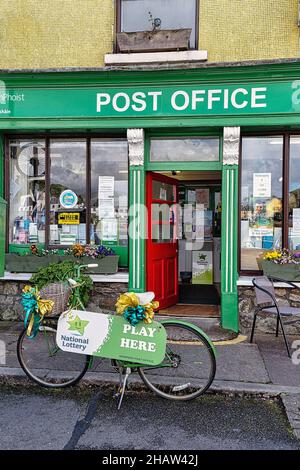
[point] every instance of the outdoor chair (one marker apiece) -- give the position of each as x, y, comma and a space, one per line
267, 303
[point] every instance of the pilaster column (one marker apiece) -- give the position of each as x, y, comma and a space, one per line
136, 214
229, 253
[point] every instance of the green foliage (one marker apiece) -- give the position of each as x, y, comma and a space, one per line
57, 272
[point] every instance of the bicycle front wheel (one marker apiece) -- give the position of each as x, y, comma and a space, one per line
189, 366
46, 364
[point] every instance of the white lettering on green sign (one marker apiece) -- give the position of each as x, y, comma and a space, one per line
182, 100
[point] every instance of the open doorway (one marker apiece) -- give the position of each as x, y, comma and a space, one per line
184, 244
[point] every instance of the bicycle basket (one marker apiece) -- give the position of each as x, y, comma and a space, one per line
59, 293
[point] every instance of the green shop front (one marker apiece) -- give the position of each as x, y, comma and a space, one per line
188, 175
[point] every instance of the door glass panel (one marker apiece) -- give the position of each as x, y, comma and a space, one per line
27, 191
163, 191
67, 184
294, 194
261, 198
193, 149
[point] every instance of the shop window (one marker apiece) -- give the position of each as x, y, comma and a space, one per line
27, 191
261, 198
159, 15
294, 193
76, 192
67, 192
185, 149
109, 191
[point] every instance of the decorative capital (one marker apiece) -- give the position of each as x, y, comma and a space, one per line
135, 138
231, 145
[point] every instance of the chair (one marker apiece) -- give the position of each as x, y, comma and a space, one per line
265, 294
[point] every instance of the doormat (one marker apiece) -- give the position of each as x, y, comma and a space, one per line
197, 294
192, 310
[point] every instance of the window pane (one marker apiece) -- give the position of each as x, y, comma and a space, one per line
67, 191
109, 191
27, 191
198, 149
174, 14
294, 194
261, 198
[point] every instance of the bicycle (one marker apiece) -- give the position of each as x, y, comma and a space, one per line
186, 372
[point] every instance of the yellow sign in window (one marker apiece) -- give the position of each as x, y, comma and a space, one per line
69, 218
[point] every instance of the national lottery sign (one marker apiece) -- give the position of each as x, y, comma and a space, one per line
111, 336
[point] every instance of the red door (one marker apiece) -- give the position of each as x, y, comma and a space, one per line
162, 243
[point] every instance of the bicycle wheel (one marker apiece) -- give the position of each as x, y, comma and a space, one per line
46, 364
189, 366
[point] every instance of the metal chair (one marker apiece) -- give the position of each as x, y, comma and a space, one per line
267, 303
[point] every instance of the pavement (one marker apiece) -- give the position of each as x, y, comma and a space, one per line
261, 369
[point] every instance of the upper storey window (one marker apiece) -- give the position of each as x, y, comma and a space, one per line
156, 25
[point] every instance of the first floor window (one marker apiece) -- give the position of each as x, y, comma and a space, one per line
145, 15
68, 190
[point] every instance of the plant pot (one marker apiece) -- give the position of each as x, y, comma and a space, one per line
106, 265
286, 272
27, 263
154, 41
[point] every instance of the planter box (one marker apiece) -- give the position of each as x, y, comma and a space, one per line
106, 265
154, 41
27, 263
286, 272
31, 264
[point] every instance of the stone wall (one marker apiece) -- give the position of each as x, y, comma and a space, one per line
266, 323
103, 298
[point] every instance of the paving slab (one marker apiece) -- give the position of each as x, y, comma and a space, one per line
241, 363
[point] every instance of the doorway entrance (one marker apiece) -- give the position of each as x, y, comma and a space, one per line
184, 241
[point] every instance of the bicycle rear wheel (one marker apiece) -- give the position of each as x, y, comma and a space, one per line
189, 366
46, 364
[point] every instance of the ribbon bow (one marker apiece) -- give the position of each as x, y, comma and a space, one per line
35, 309
128, 304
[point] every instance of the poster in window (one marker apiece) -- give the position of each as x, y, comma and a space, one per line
262, 185
202, 197
109, 230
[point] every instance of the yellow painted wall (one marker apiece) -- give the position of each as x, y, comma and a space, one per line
55, 33
234, 30
77, 33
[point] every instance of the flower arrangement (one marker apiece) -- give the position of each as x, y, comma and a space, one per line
77, 250
283, 256
93, 251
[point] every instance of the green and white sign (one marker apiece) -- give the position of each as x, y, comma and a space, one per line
111, 336
197, 99
202, 267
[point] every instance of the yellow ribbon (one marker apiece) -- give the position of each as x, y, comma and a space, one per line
130, 299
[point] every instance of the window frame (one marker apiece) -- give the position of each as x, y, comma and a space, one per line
47, 137
286, 135
118, 16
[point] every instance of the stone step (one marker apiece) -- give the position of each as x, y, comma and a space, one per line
210, 326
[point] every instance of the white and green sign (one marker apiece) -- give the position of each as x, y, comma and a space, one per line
112, 337
196, 99
202, 267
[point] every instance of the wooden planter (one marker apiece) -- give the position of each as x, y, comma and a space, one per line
106, 265
27, 263
31, 264
286, 272
154, 41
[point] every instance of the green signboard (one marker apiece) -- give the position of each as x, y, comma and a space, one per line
195, 99
112, 337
